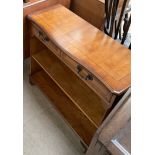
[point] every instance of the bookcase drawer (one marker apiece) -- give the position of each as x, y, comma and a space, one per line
91, 80
45, 40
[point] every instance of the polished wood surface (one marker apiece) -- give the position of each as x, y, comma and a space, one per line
94, 84
28, 1
98, 87
90, 10
105, 58
77, 61
80, 94
32, 6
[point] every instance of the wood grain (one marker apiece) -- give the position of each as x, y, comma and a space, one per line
59, 37
109, 61
33, 6
64, 105
94, 84
90, 10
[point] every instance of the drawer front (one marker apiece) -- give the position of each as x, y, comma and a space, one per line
45, 40
88, 78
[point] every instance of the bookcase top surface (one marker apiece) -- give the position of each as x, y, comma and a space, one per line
106, 58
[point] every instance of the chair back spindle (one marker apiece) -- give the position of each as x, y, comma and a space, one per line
117, 23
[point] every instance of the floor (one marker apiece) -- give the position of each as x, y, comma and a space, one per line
45, 132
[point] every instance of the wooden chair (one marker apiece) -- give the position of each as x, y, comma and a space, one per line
118, 20
113, 137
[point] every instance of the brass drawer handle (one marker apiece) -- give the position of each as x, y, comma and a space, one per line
87, 77
40, 33
79, 69
44, 38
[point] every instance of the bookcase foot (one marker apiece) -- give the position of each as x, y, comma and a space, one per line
84, 147
31, 81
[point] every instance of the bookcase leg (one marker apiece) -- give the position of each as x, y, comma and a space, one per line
31, 81
84, 147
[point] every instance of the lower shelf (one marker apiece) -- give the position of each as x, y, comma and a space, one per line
76, 90
78, 121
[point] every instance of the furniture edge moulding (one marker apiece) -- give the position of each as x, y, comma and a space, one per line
89, 68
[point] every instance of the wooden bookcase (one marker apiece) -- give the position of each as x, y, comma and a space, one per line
81, 70
80, 106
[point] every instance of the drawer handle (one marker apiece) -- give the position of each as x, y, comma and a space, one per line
46, 39
79, 69
88, 77
40, 34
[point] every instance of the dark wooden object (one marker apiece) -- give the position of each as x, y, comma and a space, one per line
117, 16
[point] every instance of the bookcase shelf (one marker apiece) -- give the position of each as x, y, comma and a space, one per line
78, 67
74, 88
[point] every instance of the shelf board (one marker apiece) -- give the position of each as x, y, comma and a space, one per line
78, 121
78, 92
